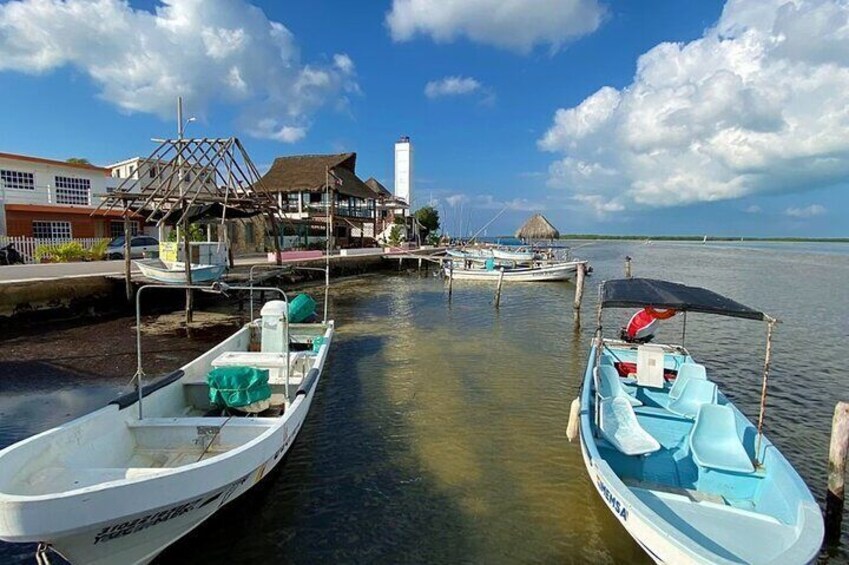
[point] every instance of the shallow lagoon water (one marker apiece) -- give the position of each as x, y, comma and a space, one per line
438, 431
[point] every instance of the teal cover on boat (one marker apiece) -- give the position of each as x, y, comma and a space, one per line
490, 264
301, 308
236, 387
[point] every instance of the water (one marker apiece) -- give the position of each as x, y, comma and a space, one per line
438, 431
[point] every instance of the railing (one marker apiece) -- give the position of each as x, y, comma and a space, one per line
26, 246
318, 210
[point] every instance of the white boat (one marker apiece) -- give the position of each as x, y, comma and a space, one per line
122, 483
685, 473
517, 255
540, 273
175, 273
471, 253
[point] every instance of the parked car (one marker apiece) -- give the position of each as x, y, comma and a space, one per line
139, 246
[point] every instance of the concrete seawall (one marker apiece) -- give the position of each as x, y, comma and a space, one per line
65, 297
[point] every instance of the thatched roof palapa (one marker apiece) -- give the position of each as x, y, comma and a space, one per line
537, 227
380, 190
307, 173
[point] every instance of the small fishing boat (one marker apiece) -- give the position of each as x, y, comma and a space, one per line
517, 255
688, 476
471, 253
175, 273
537, 273
122, 483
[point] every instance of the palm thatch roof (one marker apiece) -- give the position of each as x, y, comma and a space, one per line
537, 227
307, 173
379, 189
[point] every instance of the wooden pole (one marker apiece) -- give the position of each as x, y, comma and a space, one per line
627, 267
767, 360
579, 291
127, 264
498, 288
836, 469
450, 279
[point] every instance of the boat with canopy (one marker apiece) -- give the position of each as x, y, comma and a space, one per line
689, 477
122, 483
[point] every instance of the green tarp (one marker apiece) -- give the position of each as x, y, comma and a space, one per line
236, 387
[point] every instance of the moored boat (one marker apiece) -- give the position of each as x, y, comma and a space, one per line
517, 255
536, 273
122, 483
175, 273
689, 477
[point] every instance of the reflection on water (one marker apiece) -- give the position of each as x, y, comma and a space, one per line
438, 431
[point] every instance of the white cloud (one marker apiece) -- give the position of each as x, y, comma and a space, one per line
757, 105
451, 86
490, 202
753, 209
207, 51
806, 212
518, 25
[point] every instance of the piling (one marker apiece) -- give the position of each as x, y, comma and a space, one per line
836, 468
420, 264
498, 289
627, 267
127, 255
450, 280
579, 291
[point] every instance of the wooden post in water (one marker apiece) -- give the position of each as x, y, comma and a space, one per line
627, 267
836, 468
450, 279
579, 291
498, 289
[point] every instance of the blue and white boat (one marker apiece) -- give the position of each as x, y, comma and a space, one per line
688, 476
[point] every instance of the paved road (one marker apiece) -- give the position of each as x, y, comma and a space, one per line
47, 271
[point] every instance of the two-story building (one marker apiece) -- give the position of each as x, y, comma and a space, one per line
303, 183
53, 200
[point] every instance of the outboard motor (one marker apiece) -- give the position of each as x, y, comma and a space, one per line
273, 327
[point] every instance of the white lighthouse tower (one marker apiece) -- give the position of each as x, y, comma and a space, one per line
404, 170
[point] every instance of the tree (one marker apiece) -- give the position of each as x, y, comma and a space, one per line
78, 161
428, 217
395, 236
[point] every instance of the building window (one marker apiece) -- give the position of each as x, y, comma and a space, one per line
18, 180
71, 190
116, 173
117, 228
152, 172
51, 230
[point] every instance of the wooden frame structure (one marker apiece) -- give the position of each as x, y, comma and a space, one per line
189, 174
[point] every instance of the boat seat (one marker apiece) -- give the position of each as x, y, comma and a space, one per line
696, 393
610, 387
619, 426
714, 442
686, 372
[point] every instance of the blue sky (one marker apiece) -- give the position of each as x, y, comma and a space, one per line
682, 117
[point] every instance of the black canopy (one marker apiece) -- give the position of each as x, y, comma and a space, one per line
625, 293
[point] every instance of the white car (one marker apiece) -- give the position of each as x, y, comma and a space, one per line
139, 246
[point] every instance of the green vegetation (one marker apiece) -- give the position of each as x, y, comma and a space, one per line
78, 161
428, 217
195, 234
70, 251
395, 236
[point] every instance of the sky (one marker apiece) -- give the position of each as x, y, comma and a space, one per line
652, 117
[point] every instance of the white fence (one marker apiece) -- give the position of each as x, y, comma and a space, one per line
26, 246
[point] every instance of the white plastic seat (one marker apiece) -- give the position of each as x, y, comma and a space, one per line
619, 426
686, 372
696, 393
714, 442
609, 385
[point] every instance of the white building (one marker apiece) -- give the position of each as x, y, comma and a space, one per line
50, 199
404, 170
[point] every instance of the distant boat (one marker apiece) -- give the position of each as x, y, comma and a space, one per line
687, 475
704, 241
541, 273
176, 272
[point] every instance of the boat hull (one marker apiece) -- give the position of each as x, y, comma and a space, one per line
561, 272
156, 270
132, 520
